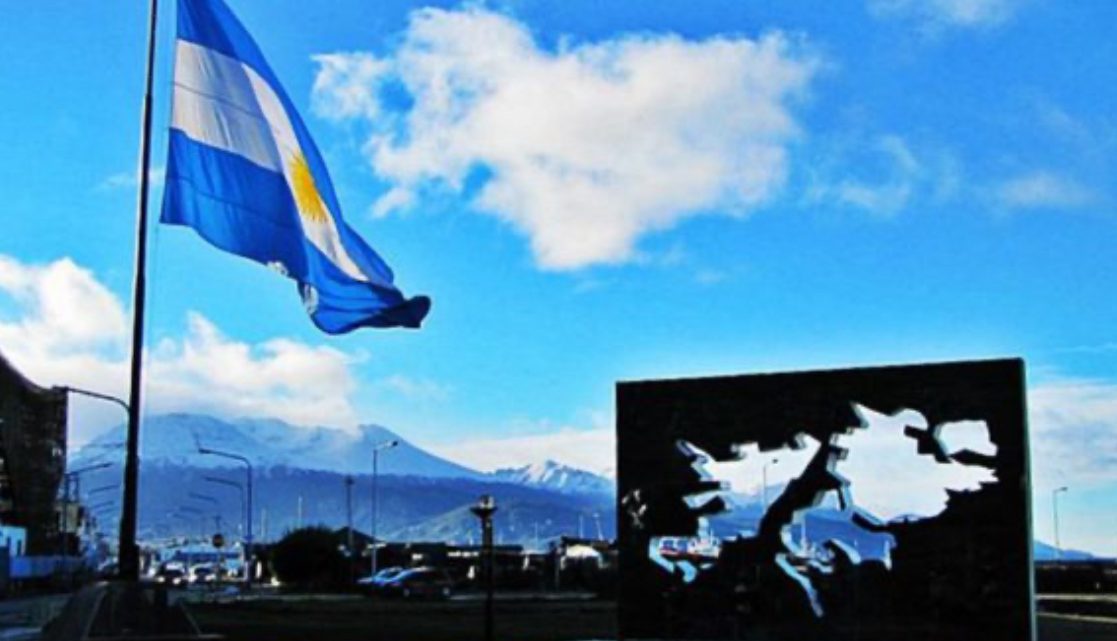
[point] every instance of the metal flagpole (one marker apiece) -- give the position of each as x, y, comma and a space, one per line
129, 561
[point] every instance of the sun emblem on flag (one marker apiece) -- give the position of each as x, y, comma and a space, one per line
307, 198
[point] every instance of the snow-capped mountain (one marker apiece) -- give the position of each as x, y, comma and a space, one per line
556, 476
301, 479
174, 439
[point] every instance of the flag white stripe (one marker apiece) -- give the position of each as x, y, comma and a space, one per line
221, 102
218, 124
206, 71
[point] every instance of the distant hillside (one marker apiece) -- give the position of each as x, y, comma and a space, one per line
173, 439
1044, 552
556, 476
422, 496
412, 508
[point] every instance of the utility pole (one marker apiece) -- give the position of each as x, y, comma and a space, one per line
249, 555
385, 445
764, 483
1055, 516
349, 527
129, 552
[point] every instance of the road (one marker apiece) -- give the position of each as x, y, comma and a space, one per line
357, 619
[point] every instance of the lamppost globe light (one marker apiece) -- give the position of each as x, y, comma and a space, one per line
485, 505
385, 445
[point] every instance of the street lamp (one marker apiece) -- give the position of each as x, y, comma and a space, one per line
70, 389
248, 509
74, 477
238, 486
216, 507
1055, 516
764, 482
383, 445
98, 395
349, 526
484, 510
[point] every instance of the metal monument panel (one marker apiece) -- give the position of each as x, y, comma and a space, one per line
867, 504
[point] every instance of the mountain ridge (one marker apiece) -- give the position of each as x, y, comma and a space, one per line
555, 476
175, 438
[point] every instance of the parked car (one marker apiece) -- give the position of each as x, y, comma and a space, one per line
418, 583
203, 573
171, 573
371, 583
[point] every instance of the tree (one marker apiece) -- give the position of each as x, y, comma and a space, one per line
309, 558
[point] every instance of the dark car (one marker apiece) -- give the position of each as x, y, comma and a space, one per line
172, 574
418, 583
371, 584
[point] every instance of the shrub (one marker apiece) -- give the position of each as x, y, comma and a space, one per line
309, 558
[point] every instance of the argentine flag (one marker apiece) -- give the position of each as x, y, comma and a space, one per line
245, 174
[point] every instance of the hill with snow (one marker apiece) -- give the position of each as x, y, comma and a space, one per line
556, 476
174, 439
300, 479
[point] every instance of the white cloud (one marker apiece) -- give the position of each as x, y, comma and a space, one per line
1042, 190
1074, 433
127, 179
415, 389
62, 307
586, 148
63, 327
346, 85
953, 13
881, 176
207, 371
891, 195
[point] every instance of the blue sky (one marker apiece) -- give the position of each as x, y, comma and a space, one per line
612, 192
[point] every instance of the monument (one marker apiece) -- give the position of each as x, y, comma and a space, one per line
862, 505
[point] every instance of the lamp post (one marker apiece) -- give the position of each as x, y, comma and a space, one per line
248, 510
484, 510
1055, 517
73, 477
198, 514
764, 482
216, 507
349, 526
240, 489
130, 561
383, 445
97, 395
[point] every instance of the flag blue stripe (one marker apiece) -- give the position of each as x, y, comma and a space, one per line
220, 194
